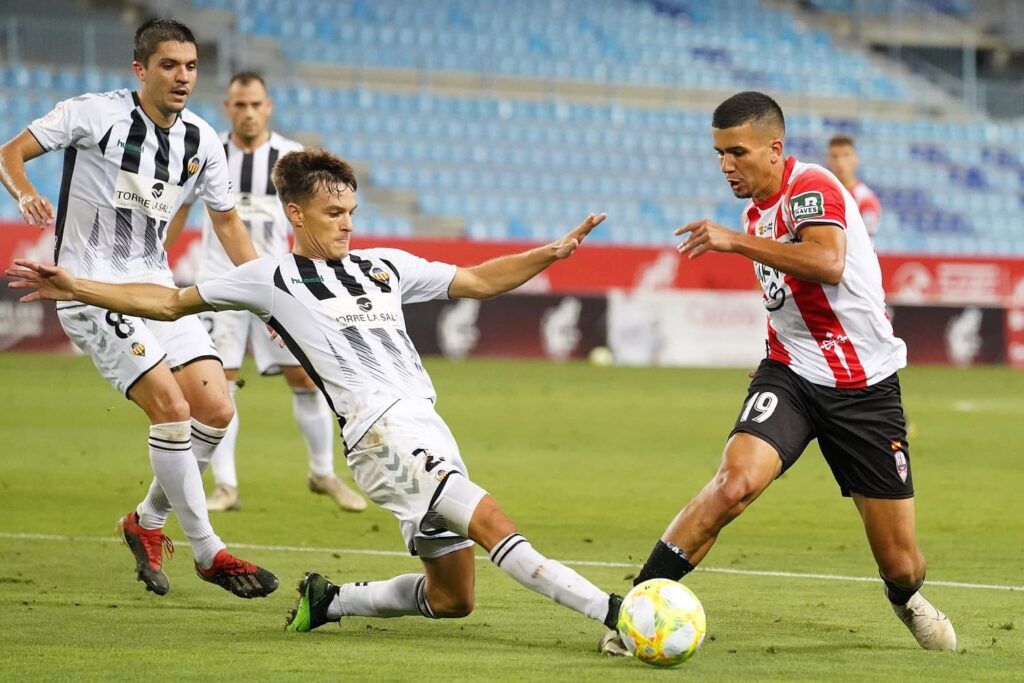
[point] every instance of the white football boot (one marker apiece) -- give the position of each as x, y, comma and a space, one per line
331, 485
224, 498
930, 627
611, 645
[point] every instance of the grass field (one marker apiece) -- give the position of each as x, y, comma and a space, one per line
591, 462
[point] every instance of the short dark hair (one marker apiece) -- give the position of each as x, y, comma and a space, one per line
746, 107
298, 175
841, 140
247, 77
156, 31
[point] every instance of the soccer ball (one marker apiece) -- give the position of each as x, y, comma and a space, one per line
662, 623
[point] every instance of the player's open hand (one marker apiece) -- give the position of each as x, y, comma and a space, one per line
703, 236
36, 209
568, 244
49, 282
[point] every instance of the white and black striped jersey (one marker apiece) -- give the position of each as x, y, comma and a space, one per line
124, 179
257, 204
343, 321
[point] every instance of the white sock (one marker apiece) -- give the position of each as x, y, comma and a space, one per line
223, 461
155, 507
317, 425
517, 558
177, 475
205, 441
398, 597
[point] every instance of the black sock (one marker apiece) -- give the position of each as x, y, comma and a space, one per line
614, 607
898, 595
666, 562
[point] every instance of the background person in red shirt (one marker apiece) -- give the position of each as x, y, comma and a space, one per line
843, 162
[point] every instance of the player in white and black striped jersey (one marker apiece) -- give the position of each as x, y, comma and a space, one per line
252, 149
130, 159
340, 312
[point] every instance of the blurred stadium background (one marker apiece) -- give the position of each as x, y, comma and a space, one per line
475, 125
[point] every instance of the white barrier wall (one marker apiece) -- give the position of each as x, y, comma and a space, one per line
686, 327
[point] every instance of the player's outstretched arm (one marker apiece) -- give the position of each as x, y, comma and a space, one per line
232, 234
155, 302
505, 273
35, 208
819, 256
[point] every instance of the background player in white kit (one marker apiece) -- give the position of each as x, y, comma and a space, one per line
831, 368
340, 312
130, 159
252, 150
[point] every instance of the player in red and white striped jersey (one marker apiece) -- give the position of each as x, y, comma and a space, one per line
830, 333
843, 162
830, 371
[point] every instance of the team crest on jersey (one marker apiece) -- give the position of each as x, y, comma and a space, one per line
902, 468
763, 229
193, 165
138, 349
380, 275
807, 205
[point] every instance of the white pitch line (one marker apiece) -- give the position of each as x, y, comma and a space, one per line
579, 563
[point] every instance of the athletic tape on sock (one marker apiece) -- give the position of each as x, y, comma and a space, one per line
170, 436
456, 500
421, 599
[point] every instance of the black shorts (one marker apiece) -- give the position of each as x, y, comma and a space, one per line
862, 432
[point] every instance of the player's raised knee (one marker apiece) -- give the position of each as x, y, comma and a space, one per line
452, 606
903, 569
167, 408
733, 490
215, 412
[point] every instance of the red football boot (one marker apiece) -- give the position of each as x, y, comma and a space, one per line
148, 546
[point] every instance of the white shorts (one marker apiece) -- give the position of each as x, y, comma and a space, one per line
124, 348
403, 463
233, 331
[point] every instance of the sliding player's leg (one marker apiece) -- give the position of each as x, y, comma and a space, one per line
445, 590
409, 463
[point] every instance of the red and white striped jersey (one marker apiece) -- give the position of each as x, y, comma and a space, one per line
831, 335
869, 206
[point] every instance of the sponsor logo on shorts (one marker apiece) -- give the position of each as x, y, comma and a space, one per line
901, 465
138, 349
380, 275
807, 205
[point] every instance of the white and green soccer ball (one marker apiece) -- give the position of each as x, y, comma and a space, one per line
662, 623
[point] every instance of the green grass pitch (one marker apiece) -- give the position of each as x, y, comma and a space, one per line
591, 462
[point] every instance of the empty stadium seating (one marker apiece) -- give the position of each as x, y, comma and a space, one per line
517, 169
674, 43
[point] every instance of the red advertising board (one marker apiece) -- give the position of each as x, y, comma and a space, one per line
909, 280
